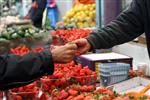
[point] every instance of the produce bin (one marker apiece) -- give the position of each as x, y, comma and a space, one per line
22, 96
28, 92
84, 80
111, 73
48, 85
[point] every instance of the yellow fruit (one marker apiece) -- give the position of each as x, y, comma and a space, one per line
79, 19
85, 24
91, 14
65, 19
73, 20
94, 6
85, 7
93, 24
80, 25
88, 19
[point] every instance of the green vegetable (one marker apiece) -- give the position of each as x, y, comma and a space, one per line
14, 36
3, 40
27, 35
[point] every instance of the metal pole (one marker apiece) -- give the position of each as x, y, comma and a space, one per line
98, 14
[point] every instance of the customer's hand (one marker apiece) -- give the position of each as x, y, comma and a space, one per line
64, 54
83, 46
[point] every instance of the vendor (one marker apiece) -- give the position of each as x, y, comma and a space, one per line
130, 24
16, 71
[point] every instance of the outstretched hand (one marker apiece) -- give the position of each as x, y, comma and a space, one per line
83, 46
64, 54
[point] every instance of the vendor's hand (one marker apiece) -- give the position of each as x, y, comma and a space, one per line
64, 54
83, 46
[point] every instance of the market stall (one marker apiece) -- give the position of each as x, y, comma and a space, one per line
92, 76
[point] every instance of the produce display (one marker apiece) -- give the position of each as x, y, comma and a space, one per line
14, 36
77, 92
81, 15
28, 92
71, 34
10, 33
22, 50
67, 74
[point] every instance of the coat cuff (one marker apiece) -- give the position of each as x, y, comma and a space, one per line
48, 62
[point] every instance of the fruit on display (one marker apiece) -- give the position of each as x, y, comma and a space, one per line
72, 34
67, 74
81, 15
14, 36
11, 33
28, 92
78, 92
22, 50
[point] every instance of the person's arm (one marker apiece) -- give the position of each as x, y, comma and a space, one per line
16, 71
128, 25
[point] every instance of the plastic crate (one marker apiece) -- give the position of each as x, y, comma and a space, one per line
28, 92
22, 96
111, 73
84, 80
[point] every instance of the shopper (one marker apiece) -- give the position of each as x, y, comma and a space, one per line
17, 71
130, 24
36, 12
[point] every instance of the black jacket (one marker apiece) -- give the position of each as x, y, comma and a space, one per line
17, 71
36, 14
128, 25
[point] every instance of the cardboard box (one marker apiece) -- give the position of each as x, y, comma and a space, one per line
92, 60
132, 85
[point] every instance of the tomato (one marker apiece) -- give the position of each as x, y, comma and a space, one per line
91, 87
70, 98
107, 98
45, 87
72, 92
101, 90
43, 96
62, 95
79, 97
30, 86
71, 34
18, 97
109, 92
75, 87
88, 98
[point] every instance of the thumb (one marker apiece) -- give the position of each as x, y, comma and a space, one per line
80, 42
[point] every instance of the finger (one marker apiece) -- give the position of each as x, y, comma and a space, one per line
69, 58
80, 42
71, 52
71, 46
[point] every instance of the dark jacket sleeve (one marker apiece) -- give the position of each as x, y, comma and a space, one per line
127, 26
17, 71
